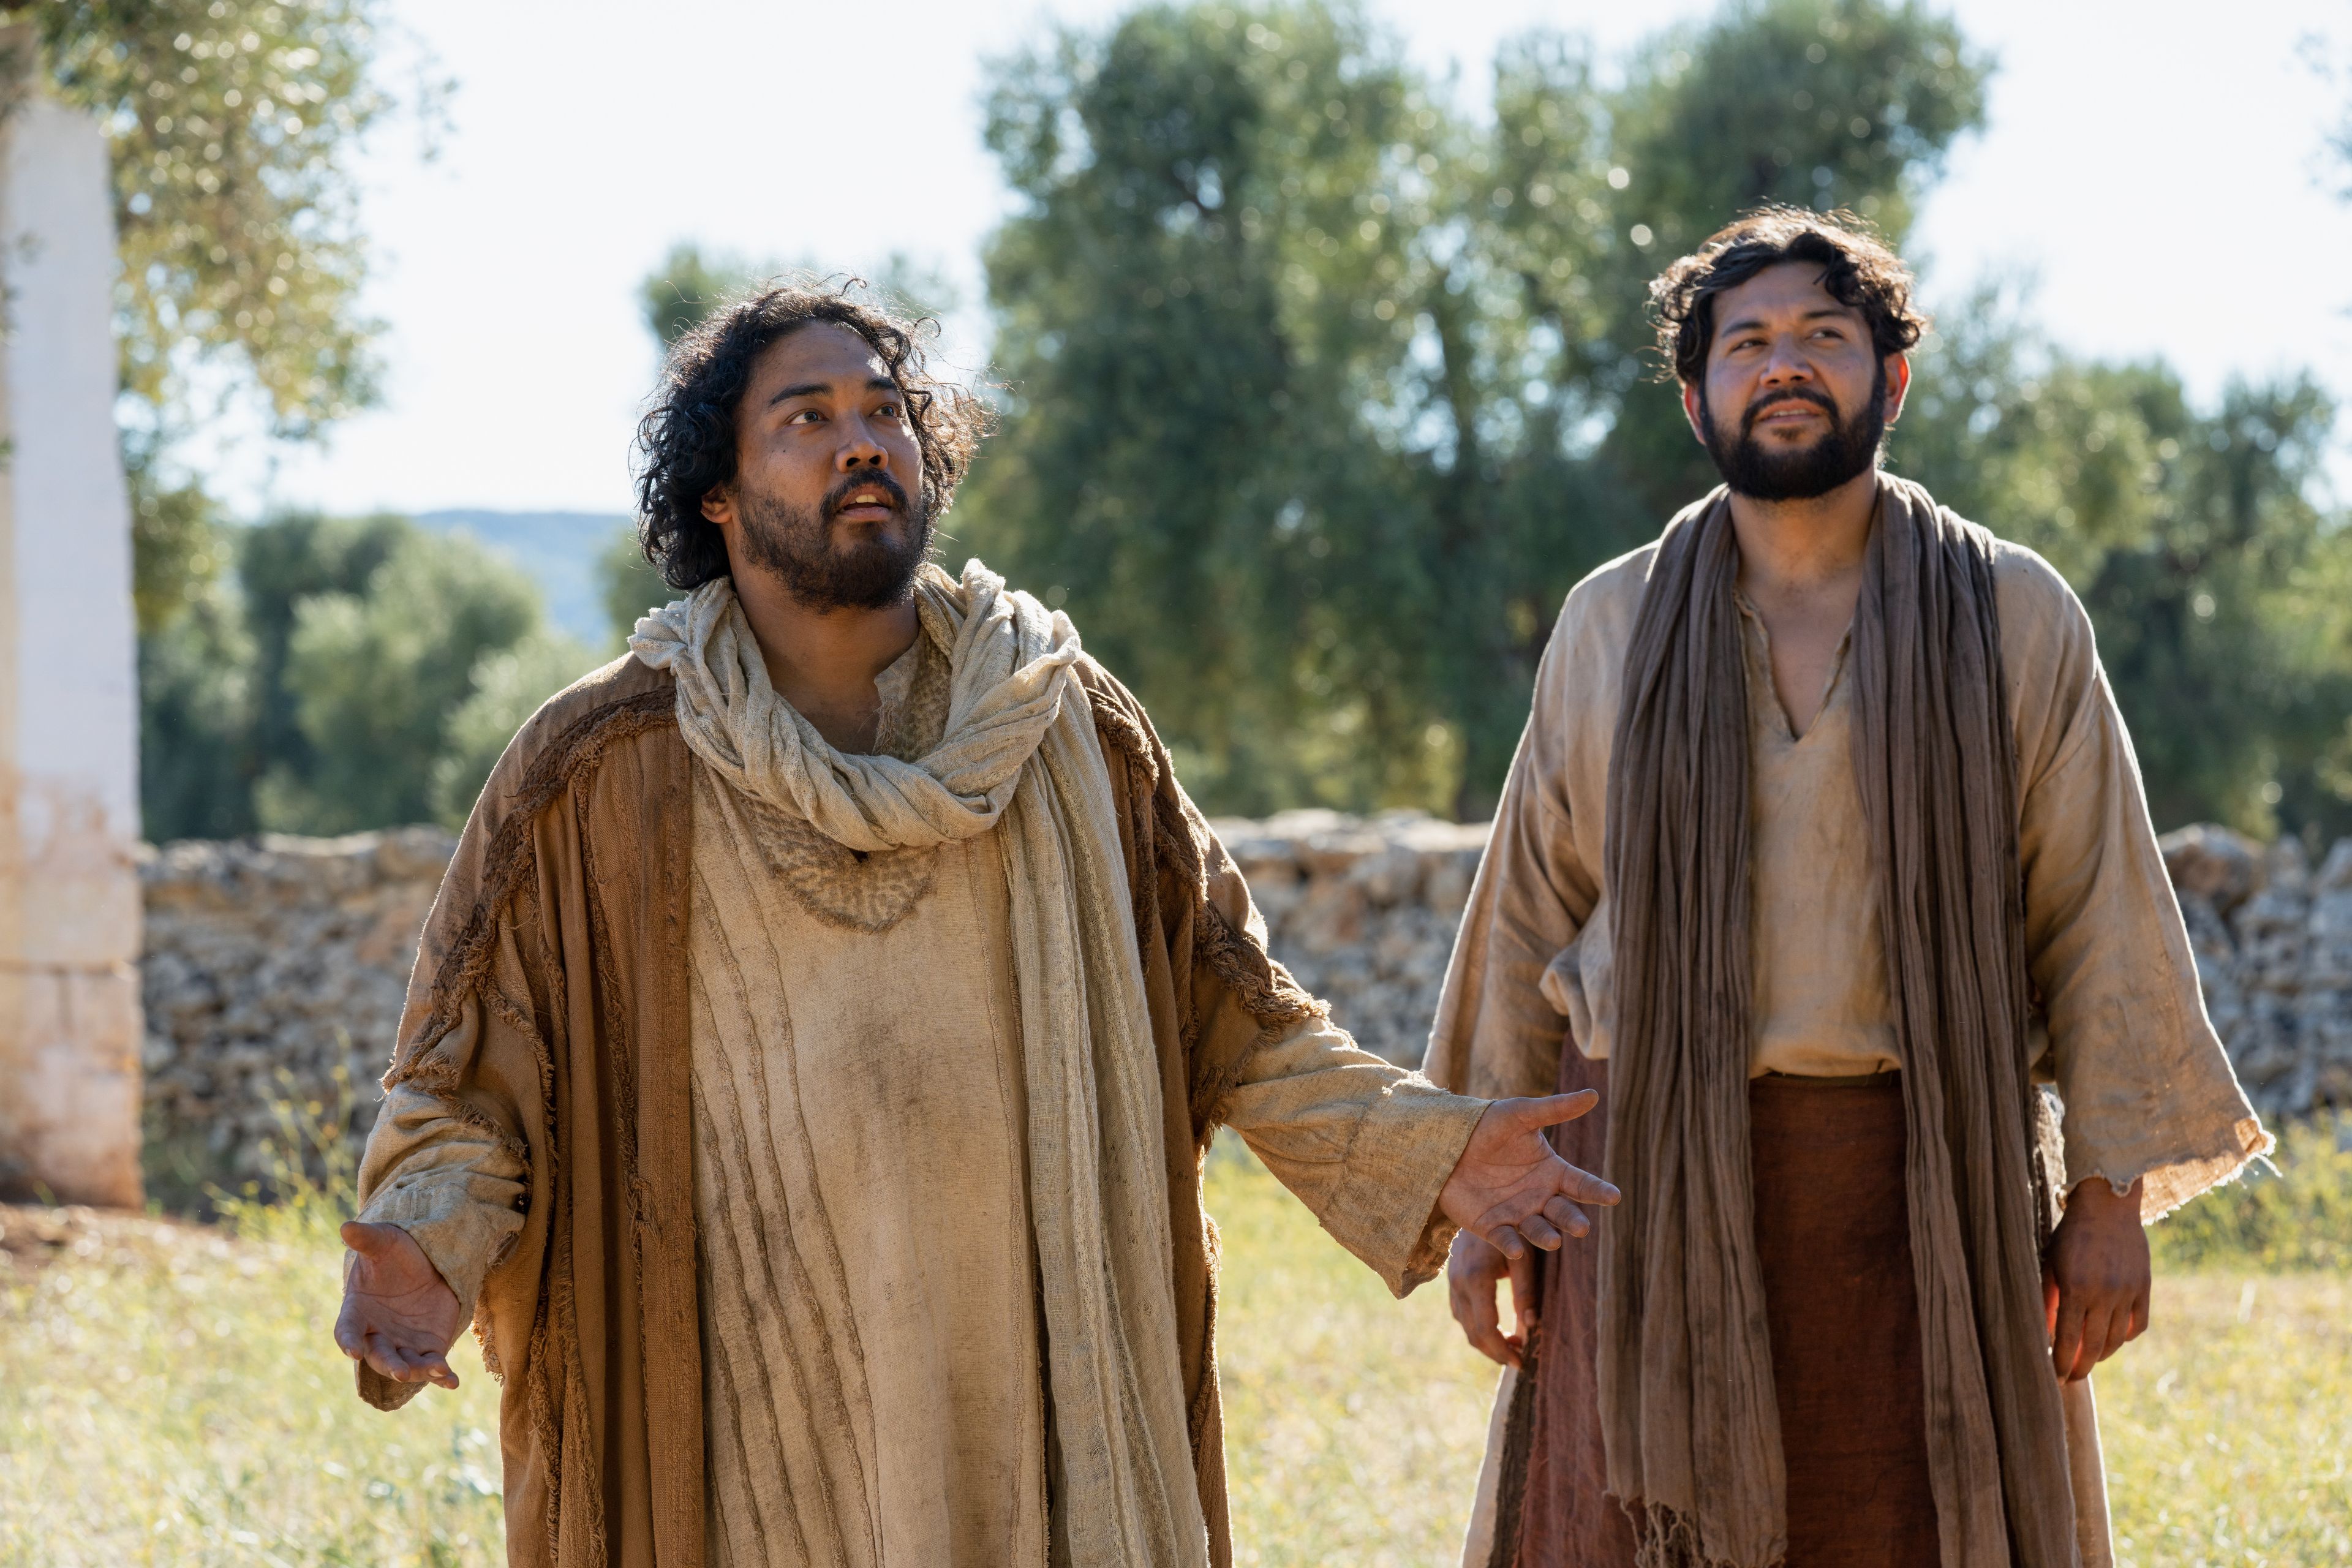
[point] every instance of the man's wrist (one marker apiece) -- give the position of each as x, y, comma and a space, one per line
2096, 1196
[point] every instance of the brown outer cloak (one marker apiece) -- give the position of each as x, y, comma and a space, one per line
549, 1005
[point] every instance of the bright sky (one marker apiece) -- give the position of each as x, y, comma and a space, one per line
2156, 166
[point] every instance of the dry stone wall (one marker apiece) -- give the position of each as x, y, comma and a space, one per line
274, 976
276, 967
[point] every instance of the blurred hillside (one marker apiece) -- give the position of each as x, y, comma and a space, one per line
558, 550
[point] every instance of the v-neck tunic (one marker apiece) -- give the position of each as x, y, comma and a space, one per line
1821, 1006
2118, 1025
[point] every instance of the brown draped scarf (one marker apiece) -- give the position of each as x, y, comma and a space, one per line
1684, 1362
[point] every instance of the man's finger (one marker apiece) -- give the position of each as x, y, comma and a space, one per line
1507, 1241
1523, 1296
1568, 1216
2119, 1332
1538, 1232
1582, 1185
2100, 1325
1462, 1298
2068, 1344
2094, 1343
1483, 1326
423, 1366
2140, 1311
379, 1353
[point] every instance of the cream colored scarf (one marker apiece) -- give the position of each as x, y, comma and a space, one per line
1020, 747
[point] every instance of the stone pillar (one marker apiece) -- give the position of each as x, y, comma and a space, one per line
70, 905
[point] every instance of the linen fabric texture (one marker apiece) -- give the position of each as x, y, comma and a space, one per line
2026, 926
1833, 1247
1020, 746
544, 1055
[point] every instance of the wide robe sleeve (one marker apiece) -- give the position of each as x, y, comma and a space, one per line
1519, 980
453, 1186
1364, 1144
544, 976
450, 1157
2147, 1089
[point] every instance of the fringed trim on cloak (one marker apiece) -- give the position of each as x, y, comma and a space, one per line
1265, 991
506, 866
1121, 734
616, 1031
1213, 1242
1665, 1539
1114, 724
1518, 1452
1169, 837
509, 858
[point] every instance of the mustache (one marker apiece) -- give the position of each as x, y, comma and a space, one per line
839, 494
1821, 400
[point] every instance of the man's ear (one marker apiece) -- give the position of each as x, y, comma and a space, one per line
718, 506
1898, 384
1691, 411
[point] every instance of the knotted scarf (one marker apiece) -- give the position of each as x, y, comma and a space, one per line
1684, 1365
1020, 747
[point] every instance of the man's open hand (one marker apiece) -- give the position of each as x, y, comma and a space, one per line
2095, 1278
1509, 1188
399, 1316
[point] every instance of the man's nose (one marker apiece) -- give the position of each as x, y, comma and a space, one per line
1787, 362
862, 451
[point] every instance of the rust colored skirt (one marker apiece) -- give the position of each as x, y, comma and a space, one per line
1832, 1234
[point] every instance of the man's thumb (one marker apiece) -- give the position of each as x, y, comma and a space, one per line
1552, 1109
367, 1240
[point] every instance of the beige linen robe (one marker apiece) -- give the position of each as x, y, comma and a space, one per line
2120, 1029
871, 1390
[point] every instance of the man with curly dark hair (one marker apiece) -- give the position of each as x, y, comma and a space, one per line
1825, 850
810, 1055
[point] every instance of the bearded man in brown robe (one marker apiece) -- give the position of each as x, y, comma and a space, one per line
806, 1073
1825, 850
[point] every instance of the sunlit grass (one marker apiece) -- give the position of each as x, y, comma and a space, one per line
169, 1394
1354, 1422
174, 1397
2227, 1427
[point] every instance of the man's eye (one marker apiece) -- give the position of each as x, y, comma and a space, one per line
806, 415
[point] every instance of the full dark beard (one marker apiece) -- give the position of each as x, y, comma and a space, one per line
1849, 448
795, 543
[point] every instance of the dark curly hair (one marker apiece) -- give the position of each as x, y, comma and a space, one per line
1860, 271
686, 442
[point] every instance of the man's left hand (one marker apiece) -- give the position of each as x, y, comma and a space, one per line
1510, 1190
2095, 1278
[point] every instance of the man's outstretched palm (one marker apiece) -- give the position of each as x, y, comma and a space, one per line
399, 1316
1510, 1190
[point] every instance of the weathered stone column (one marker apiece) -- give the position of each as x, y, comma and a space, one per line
70, 906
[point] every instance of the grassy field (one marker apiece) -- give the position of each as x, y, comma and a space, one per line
169, 1394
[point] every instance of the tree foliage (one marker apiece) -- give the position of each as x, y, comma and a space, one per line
1321, 391
232, 126
1344, 386
347, 674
